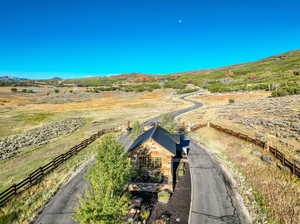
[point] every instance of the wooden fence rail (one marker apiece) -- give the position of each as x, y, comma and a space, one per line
275, 152
37, 175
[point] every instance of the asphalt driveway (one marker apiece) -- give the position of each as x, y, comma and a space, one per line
212, 200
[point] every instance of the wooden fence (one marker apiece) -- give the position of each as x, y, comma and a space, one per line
275, 152
37, 175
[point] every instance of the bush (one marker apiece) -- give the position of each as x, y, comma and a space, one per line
106, 201
174, 85
279, 92
231, 101
56, 90
290, 90
14, 90
137, 129
184, 91
167, 122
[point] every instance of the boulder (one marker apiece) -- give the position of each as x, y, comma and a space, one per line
256, 153
266, 158
284, 168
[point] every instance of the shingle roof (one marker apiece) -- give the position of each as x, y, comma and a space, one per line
158, 134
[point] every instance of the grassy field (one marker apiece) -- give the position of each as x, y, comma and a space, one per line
108, 110
23, 112
271, 195
23, 209
15, 122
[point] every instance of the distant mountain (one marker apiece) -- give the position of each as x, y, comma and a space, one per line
11, 79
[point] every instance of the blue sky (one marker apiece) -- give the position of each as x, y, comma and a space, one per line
77, 38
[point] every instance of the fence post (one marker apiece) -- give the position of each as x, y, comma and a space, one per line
15, 189
42, 171
294, 167
266, 146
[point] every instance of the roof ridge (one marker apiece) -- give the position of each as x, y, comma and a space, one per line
154, 130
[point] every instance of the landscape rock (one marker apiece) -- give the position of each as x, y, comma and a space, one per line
284, 168
137, 202
267, 159
10, 145
256, 153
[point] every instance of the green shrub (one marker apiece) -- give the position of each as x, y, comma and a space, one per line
56, 90
14, 90
175, 85
288, 90
231, 101
137, 129
184, 91
279, 92
167, 122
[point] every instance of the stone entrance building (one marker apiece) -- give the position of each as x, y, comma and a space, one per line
153, 155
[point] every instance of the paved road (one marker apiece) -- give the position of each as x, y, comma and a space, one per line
176, 113
212, 196
60, 209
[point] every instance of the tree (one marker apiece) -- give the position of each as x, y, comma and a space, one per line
106, 201
167, 122
137, 129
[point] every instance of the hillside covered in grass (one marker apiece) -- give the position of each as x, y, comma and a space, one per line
273, 73
279, 74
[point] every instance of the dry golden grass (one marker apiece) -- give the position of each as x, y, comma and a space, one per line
106, 101
218, 110
276, 192
223, 98
108, 110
